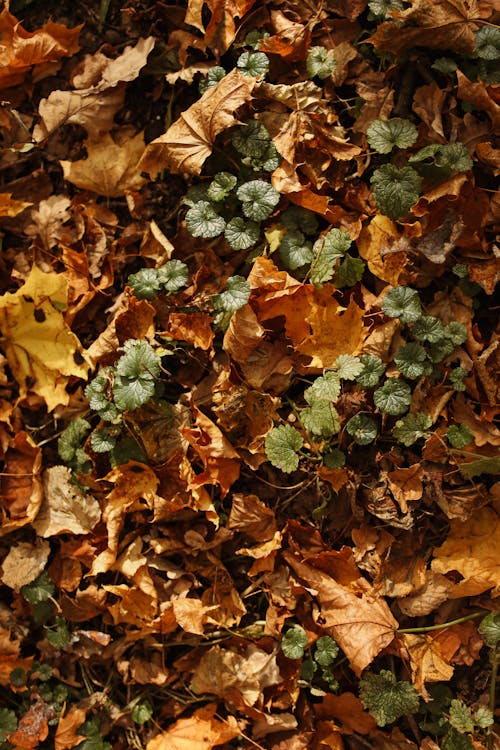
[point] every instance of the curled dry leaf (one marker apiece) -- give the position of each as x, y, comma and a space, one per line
190, 140
20, 484
48, 219
21, 49
220, 30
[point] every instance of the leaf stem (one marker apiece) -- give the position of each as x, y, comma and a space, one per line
440, 627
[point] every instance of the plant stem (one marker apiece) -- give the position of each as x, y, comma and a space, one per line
442, 626
493, 684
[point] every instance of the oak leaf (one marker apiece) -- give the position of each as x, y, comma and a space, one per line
201, 731
112, 164
189, 141
42, 351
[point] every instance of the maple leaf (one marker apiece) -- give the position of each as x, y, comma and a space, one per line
41, 349
189, 141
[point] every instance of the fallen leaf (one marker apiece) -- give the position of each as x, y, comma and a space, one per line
20, 483
384, 247
67, 735
201, 731
48, 219
33, 726
42, 351
112, 164
189, 141
21, 49
426, 662
220, 30
11, 207
24, 563
406, 485
471, 550
349, 711
65, 508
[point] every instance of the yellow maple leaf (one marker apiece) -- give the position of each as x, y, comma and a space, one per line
41, 349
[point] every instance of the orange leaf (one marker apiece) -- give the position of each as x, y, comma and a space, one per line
66, 733
10, 207
201, 731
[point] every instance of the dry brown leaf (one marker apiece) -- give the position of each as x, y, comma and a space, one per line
471, 549
65, 508
438, 24
433, 593
48, 219
223, 673
24, 563
200, 731
112, 164
11, 207
406, 485
481, 96
189, 141
383, 247
426, 662
252, 517
33, 726
349, 711
67, 735
359, 620
21, 49
21, 487
220, 30
191, 614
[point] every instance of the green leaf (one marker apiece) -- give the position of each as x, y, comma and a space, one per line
39, 590
428, 328
102, 442
125, 450
221, 186
254, 143
456, 378
484, 465
403, 303
203, 221
72, 438
381, 8
295, 250
320, 419
300, 219
488, 43
325, 388
142, 712
348, 366
441, 349
394, 397
212, 78
173, 275
459, 435
445, 65
144, 283
326, 651
362, 428
258, 199
131, 393
253, 38
373, 369
483, 717
395, 190
8, 723
294, 642
195, 194
461, 716
320, 62
59, 636
386, 698
236, 294
439, 161
139, 360
350, 272
412, 427
384, 135
456, 741
281, 445
242, 234
254, 64
99, 394
410, 360
456, 333
489, 629
327, 250
92, 731
307, 670
335, 459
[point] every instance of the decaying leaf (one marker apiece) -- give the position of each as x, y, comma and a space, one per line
65, 508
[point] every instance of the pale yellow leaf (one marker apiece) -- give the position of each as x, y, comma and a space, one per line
65, 508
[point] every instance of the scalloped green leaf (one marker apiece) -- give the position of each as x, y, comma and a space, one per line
202, 220
384, 135
395, 190
393, 398
281, 445
320, 62
258, 199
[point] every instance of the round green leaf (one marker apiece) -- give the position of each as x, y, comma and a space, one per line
258, 199
403, 303
384, 135
242, 234
395, 190
394, 397
253, 64
203, 221
293, 642
362, 428
281, 445
295, 250
320, 62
